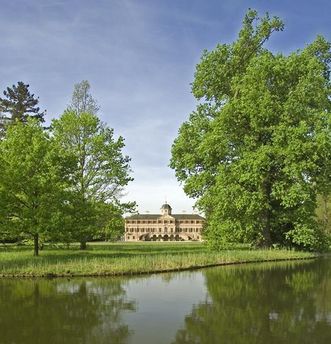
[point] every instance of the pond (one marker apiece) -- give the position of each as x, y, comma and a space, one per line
284, 302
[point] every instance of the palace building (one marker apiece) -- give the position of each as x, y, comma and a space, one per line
164, 227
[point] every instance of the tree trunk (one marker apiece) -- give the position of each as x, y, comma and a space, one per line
83, 245
325, 211
36, 245
266, 233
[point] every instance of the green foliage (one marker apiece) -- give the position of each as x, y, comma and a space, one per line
112, 221
32, 182
100, 172
66, 187
257, 150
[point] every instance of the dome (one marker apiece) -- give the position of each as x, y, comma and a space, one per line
166, 209
166, 206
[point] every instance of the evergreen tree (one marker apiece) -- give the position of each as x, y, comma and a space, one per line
18, 104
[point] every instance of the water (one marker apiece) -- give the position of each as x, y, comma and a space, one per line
254, 303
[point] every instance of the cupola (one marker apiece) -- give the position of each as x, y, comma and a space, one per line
166, 209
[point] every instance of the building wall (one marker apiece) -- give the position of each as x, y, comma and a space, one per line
185, 228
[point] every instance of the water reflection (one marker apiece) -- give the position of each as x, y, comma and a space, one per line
272, 303
59, 311
255, 303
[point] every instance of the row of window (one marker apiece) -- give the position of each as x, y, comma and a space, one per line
133, 237
160, 221
166, 230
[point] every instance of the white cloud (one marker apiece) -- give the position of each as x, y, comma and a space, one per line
139, 57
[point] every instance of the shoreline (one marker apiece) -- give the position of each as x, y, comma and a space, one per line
127, 272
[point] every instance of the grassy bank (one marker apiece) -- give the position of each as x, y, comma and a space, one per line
127, 258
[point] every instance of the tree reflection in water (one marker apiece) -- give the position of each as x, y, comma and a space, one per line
268, 303
59, 311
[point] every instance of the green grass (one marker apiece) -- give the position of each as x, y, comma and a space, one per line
127, 258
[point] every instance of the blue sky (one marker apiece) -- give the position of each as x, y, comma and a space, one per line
139, 56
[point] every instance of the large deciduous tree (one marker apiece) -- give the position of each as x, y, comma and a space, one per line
256, 151
101, 170
32, 182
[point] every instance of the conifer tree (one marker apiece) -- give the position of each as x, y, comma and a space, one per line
18, 104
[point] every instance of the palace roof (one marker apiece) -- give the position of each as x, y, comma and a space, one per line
156, 216
166, 206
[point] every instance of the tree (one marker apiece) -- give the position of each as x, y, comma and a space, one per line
112, 221
82, 101
19, 105
32, 182
323, 212
101, 170
256, 150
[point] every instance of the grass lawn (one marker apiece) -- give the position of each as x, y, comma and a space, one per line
126, 258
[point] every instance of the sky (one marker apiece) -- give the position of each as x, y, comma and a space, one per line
139, 57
